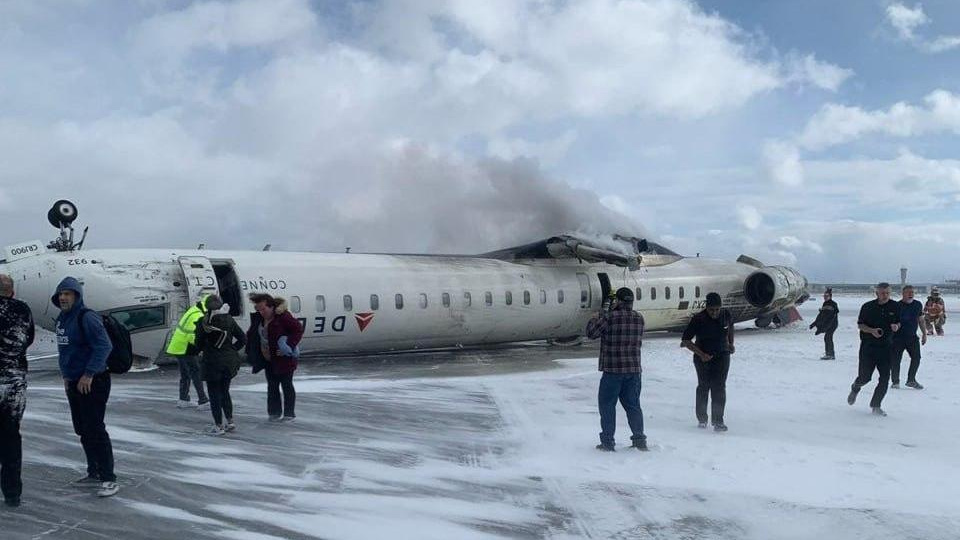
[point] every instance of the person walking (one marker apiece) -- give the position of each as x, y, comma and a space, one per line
826, 324
83, 346
620, 331
273, 342
934, 313
16, 335
713, 330
878, 320
219, 340
182, 346
905, 339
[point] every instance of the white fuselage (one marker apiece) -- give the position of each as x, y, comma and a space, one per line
364, 303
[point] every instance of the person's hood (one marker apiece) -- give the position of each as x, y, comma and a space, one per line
68, 284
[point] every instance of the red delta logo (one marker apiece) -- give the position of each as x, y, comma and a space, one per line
364, 320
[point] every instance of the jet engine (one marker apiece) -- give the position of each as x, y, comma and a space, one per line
772, 288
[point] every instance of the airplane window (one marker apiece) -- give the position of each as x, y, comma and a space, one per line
666, 293
295, 304
445, 299
639, 294
653, 293
423, 301
374, 302
560, 296
509, 298
467, 299
697, 291
399, 299
347, 302
526, 298
488, 298
140, 318
321, 303
681, 293
543, 296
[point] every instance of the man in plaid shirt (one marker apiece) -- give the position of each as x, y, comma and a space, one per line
620, 331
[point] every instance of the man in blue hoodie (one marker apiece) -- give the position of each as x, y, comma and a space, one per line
84, 346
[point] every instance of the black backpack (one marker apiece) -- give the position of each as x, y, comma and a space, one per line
121, 356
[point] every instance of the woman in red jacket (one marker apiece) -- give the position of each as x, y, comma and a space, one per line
272, 345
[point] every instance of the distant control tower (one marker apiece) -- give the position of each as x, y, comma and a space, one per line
903, 277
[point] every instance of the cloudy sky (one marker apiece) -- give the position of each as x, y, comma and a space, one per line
815, 133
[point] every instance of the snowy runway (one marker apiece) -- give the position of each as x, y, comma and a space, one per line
500, 444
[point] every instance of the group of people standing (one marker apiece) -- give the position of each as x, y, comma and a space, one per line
709, 336
207, 339
887, 329
207, 344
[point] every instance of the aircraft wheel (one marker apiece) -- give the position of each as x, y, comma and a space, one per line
567, 341
63, 211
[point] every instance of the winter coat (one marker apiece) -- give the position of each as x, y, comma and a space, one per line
83, 350
16, 335
827, 319
282, 324
219, 339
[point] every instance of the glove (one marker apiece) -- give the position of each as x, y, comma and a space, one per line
285, 350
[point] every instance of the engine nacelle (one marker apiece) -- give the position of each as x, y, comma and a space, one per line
774, 287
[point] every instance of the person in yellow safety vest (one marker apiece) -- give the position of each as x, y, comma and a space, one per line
183, 347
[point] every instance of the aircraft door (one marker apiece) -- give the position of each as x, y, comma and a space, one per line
585, 292
605, 287
200, 277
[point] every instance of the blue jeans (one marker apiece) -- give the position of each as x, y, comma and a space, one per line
624, 387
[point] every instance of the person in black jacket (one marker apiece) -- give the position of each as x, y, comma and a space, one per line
879, 319
16, 335
713, 330
826, 323
219, 339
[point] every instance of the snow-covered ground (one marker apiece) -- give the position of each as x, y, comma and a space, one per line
500, 444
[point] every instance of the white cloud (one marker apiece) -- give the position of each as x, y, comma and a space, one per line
749, 216
943, 43
839, 124
221, 26
808, 70
783, 165
794, 243
906, 20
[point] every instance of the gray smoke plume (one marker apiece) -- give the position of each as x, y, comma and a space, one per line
417, 202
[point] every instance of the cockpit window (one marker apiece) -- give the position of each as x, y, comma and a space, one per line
141, 318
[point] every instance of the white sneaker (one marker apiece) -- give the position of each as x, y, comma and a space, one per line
108, 489
205, 406
181, 404
229, 426
215, 430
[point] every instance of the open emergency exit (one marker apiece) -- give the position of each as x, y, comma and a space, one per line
203, 276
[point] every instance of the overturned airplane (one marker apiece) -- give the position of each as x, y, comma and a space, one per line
369, 303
